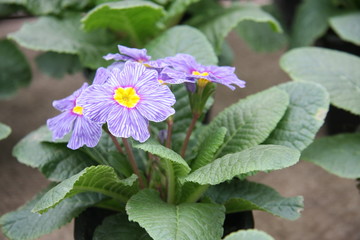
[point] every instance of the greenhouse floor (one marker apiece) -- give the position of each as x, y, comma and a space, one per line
331, 204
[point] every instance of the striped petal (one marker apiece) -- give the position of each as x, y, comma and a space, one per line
70, 101
85, 132
61, 125
128, 122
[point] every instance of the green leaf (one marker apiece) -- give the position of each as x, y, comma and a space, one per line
208, 148
311, 21
101, 179
183, 39
250, 234
175, 10
196, 221
337, 154
118, 227
14, 69
240, 196
337, 71
57, 65
258, 158
45, 7
250, 121
23, 224
5, 131
347, 26
309, 103
218, 25
135, 18
180, 166
54, 160
65, 36
19, 2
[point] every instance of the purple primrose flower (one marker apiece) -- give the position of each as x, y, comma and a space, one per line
127, 100
185, 66
84, 131
127, 54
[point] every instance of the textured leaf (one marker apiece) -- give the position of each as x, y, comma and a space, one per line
54, 160
258, 158
261, 37
57, 65
250, 121
134, 17
23, 224
65, 36
308, 106
311, 21
14, 69
176, 9
195, 221
208, 148
337, 154
347, 26
101, 179
218, 25
4, 131
250, 234
181, 167
244, 196
44, 7
118, 227
183, 39
338, 72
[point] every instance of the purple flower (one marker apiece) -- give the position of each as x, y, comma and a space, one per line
185, 66
84, 131
128, 100
127, 54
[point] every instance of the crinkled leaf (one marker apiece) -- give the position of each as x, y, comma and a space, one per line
14, 69
183, 39
135, 18
337, 71
196, 221
65, 36
54, 160
180, 166
118, 227
309, 103
244, 196
23, 224
176, 9
311, 21
217, 25
45, 7
337, 154
101, 179
250, 234
250, 121
347, 26
258, 158
4, 131
57, 65
208, 148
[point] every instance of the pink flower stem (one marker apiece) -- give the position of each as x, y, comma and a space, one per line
132, 161
188, 133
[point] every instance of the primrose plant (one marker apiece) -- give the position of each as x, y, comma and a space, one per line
134, 143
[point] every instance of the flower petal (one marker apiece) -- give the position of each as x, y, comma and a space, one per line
116, 57
97, 102
61, 125
101, 76
70, 101
128, 122
134, 53
155, 103
85, 132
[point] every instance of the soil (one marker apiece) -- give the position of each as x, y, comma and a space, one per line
331, 203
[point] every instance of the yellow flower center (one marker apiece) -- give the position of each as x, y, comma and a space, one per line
161, 82
78, 110
202, 81
200, 74
126, 97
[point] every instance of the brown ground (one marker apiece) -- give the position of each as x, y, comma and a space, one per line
331, 203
